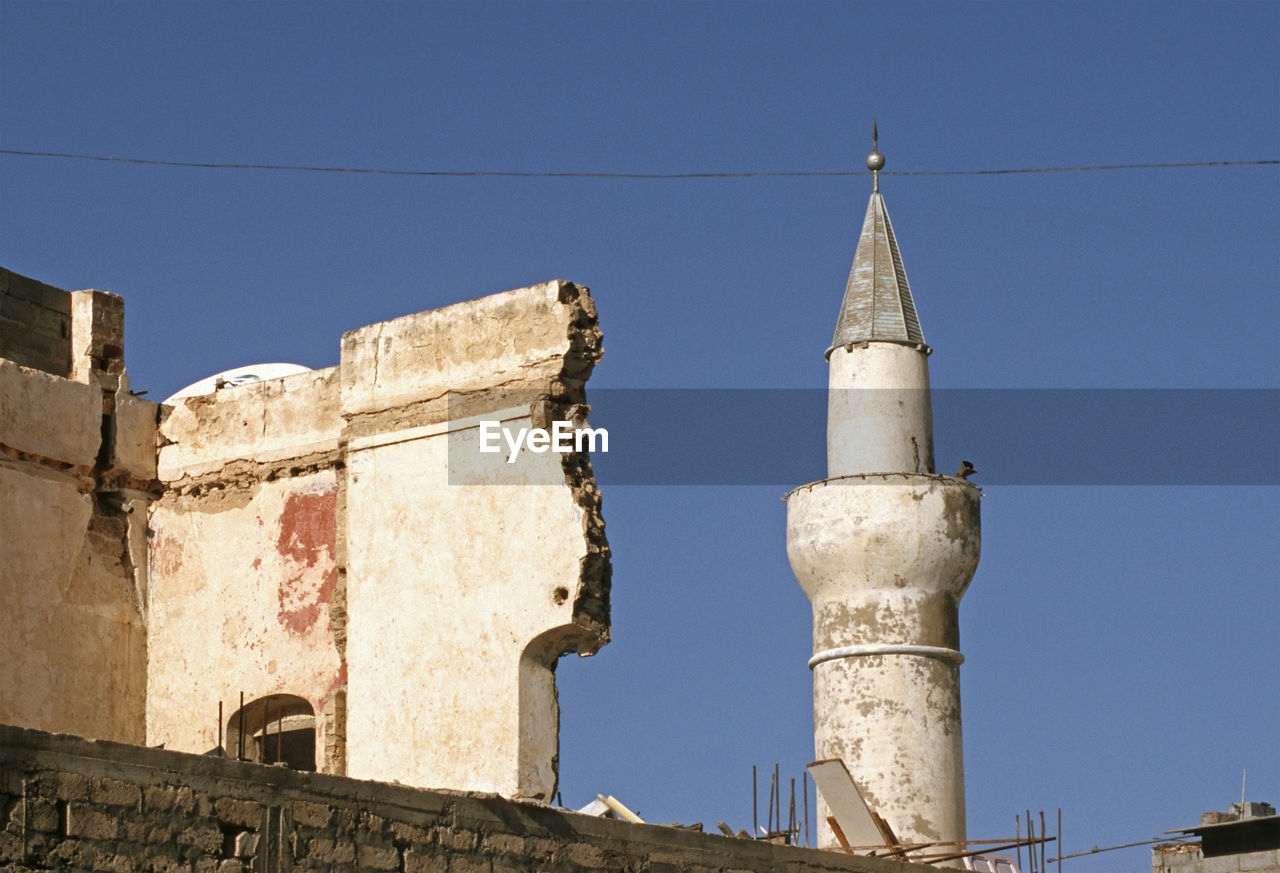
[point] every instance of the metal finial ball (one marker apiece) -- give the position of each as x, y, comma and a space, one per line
875, 161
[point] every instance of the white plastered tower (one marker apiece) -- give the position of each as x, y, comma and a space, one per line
884, 549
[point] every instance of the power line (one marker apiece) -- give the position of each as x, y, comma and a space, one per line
579, 175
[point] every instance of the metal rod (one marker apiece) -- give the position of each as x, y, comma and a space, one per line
755, 805
792, 835
240, 730
1095, 850
777, 788
224, 751
1031, 835
280, 736
1017, 835
1042, 868
1059, 839
805, 778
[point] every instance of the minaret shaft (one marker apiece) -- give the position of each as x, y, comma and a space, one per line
884, 548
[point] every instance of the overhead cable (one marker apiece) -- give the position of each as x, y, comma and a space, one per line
583, 175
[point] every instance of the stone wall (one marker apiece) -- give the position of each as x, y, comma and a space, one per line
77, 473
35, 324
70, 804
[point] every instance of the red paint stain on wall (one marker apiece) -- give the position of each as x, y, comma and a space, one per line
306, 541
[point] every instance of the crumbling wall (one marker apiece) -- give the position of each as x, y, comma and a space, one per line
68, 804
244, 558
326, 525
77, 471
465, 581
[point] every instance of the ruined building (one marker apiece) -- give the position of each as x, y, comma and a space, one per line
266, 541
273, 572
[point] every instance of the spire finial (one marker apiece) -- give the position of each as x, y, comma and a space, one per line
875, 160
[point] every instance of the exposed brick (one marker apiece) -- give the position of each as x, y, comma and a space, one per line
458, 838
424, 862
541, 848
245, 813
502, 844
203, 836
312, 815
113, 792
326, 851
167, 797
379, 857
371, 822
72, 786
586, 855
469, 864
409, 833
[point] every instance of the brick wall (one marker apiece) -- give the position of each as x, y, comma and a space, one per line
35, 324
73, 804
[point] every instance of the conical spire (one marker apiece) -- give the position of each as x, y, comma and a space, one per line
877, 304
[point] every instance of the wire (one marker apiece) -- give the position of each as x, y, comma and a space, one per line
577, 175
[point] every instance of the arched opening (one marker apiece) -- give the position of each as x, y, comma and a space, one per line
276, 729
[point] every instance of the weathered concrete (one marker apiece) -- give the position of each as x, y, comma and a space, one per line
305, 527
77, 468
315, 535
884, 559
879, 418
463, 596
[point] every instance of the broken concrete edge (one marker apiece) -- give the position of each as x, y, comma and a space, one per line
27, 753
569, 403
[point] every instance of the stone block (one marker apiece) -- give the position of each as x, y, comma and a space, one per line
410, 833
50, 417
113, 792
502, 844
135, 440
466, 864
167, 797
418, 861
459, 839
244, 813
25, 288
71, 786
586, 855
202, 836
379, 857
93, 824
312, 815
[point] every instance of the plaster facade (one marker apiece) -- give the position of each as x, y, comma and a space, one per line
77, 472
328, 544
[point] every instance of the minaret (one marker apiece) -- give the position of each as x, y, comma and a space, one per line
884, 549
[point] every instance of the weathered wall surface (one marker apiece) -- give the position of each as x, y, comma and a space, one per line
315, 527
464, 592
77, 471
884, 561
244, 557
74, 805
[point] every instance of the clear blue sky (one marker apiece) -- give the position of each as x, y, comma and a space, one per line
1122, 642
